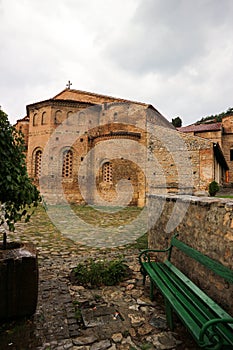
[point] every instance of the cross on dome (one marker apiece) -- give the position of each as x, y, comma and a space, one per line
68, 85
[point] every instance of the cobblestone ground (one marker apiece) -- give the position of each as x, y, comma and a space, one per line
119, 317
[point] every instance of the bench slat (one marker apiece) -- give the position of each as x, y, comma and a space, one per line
199, 299
175, 302
213, 265
180, 292
187, 305
209, 324
211, 303
188, 293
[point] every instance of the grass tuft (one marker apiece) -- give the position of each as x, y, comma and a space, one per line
98, 273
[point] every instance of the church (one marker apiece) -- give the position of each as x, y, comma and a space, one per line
85, 147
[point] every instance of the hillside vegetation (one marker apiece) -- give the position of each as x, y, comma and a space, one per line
215, 118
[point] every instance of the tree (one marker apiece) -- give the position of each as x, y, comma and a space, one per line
213, 188
215, 118
17, 192
229, 111
177, 122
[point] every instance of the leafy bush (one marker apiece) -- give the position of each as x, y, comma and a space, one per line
98, 273
213, 188
17, 192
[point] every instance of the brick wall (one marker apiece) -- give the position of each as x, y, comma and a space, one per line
215, 136
171, 161
120, 126
187, 161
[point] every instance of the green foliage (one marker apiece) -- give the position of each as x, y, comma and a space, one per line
17, 193
177, 122
98, 273
213, 188
78, 315
146, 346
141, 243
215, 118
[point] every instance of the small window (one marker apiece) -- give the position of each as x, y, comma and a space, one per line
38, 157
58, 117
107, 172
44, 118
67, 164
69, 118
35, 119
231, 154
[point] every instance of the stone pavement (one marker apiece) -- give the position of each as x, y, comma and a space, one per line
72, 317
119, 317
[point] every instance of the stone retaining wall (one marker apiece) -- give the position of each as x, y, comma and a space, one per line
204, 223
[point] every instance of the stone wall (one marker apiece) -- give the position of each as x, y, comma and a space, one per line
224, 136
215, 136
205, 224
186, 162
227, 143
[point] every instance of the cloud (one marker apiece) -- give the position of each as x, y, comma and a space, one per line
176, 55
165, 36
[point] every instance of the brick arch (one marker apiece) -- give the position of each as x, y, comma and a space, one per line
114, 170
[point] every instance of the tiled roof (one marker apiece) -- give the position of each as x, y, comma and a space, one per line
79, 96
201, 127
85, 96
25, 119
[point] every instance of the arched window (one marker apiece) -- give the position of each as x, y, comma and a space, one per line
44, 119
58, 117
107, 172
37, 168
35, 119
67, 164
69, 118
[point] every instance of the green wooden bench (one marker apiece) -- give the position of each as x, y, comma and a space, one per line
209, 324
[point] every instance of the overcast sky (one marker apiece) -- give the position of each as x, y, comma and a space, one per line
174, 54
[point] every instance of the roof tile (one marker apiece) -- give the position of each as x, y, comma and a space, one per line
201, 127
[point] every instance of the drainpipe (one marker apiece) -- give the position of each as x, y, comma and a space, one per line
214, 145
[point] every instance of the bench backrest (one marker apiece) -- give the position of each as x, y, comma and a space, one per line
211, 264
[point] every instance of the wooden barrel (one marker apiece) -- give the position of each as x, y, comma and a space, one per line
18, 281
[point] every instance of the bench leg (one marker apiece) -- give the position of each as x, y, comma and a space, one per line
169, 314
144, 274
144, 279
151, 290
